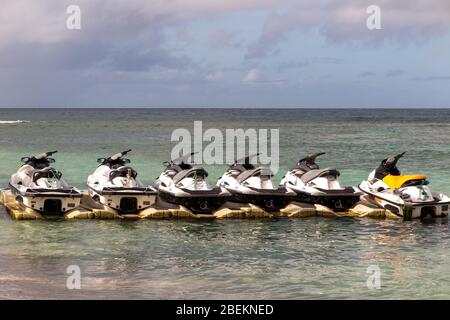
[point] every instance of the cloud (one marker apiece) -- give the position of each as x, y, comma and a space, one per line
292, 65
345, 20
136, 50
431, 78
214, 76
395, 73
251, 76
122, 34
221, 39
367, 74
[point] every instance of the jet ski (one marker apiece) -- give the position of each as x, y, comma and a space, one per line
114, 184
39, 186
319, 186
250, 184
186, 184
407, 196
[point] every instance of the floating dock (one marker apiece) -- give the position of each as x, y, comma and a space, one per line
90, 209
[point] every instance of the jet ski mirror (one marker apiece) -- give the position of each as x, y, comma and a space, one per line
100, 160
51, 160
25, 159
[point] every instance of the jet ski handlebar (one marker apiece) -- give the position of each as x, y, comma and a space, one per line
310, 159
116, 157
40, 156
119, 155
246, 160
179, 160
44, 155
392, 160
400, 155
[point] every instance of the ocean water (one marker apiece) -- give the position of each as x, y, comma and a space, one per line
281, 259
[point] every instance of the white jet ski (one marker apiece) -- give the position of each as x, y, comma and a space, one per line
250, 184
114, 184
319, 186
185, 184
407, 196
39, 186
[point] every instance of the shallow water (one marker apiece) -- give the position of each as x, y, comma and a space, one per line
280, 259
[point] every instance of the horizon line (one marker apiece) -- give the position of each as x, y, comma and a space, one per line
248, 107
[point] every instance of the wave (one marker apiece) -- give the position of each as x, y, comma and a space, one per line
13, 121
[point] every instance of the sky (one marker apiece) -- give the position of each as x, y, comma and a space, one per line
225, 53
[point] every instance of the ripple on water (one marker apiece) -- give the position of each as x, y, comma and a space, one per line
283, 259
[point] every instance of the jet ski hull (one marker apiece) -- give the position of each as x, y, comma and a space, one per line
124, 200
268, 200
199, 202
336, 200
47, 201
409, 210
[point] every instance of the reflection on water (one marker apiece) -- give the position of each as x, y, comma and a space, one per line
280, 259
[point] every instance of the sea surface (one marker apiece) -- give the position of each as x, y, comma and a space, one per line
307, 258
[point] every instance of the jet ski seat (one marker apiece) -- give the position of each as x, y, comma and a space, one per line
122, 172
39, 164
304, 167
250, 173
180, 167
313, 174
185, 173
240, 167
395, 182
46, 173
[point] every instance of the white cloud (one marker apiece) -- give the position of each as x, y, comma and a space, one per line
251, 76
214, 76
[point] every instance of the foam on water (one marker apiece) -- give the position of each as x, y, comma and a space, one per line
13, 121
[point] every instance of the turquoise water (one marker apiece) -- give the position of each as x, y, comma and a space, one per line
281, 259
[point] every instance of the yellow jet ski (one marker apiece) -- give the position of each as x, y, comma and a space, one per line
407, 196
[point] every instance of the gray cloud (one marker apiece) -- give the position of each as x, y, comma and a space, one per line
123, 52
367, 74
221, 39
291, 65
431, 78
395, 73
